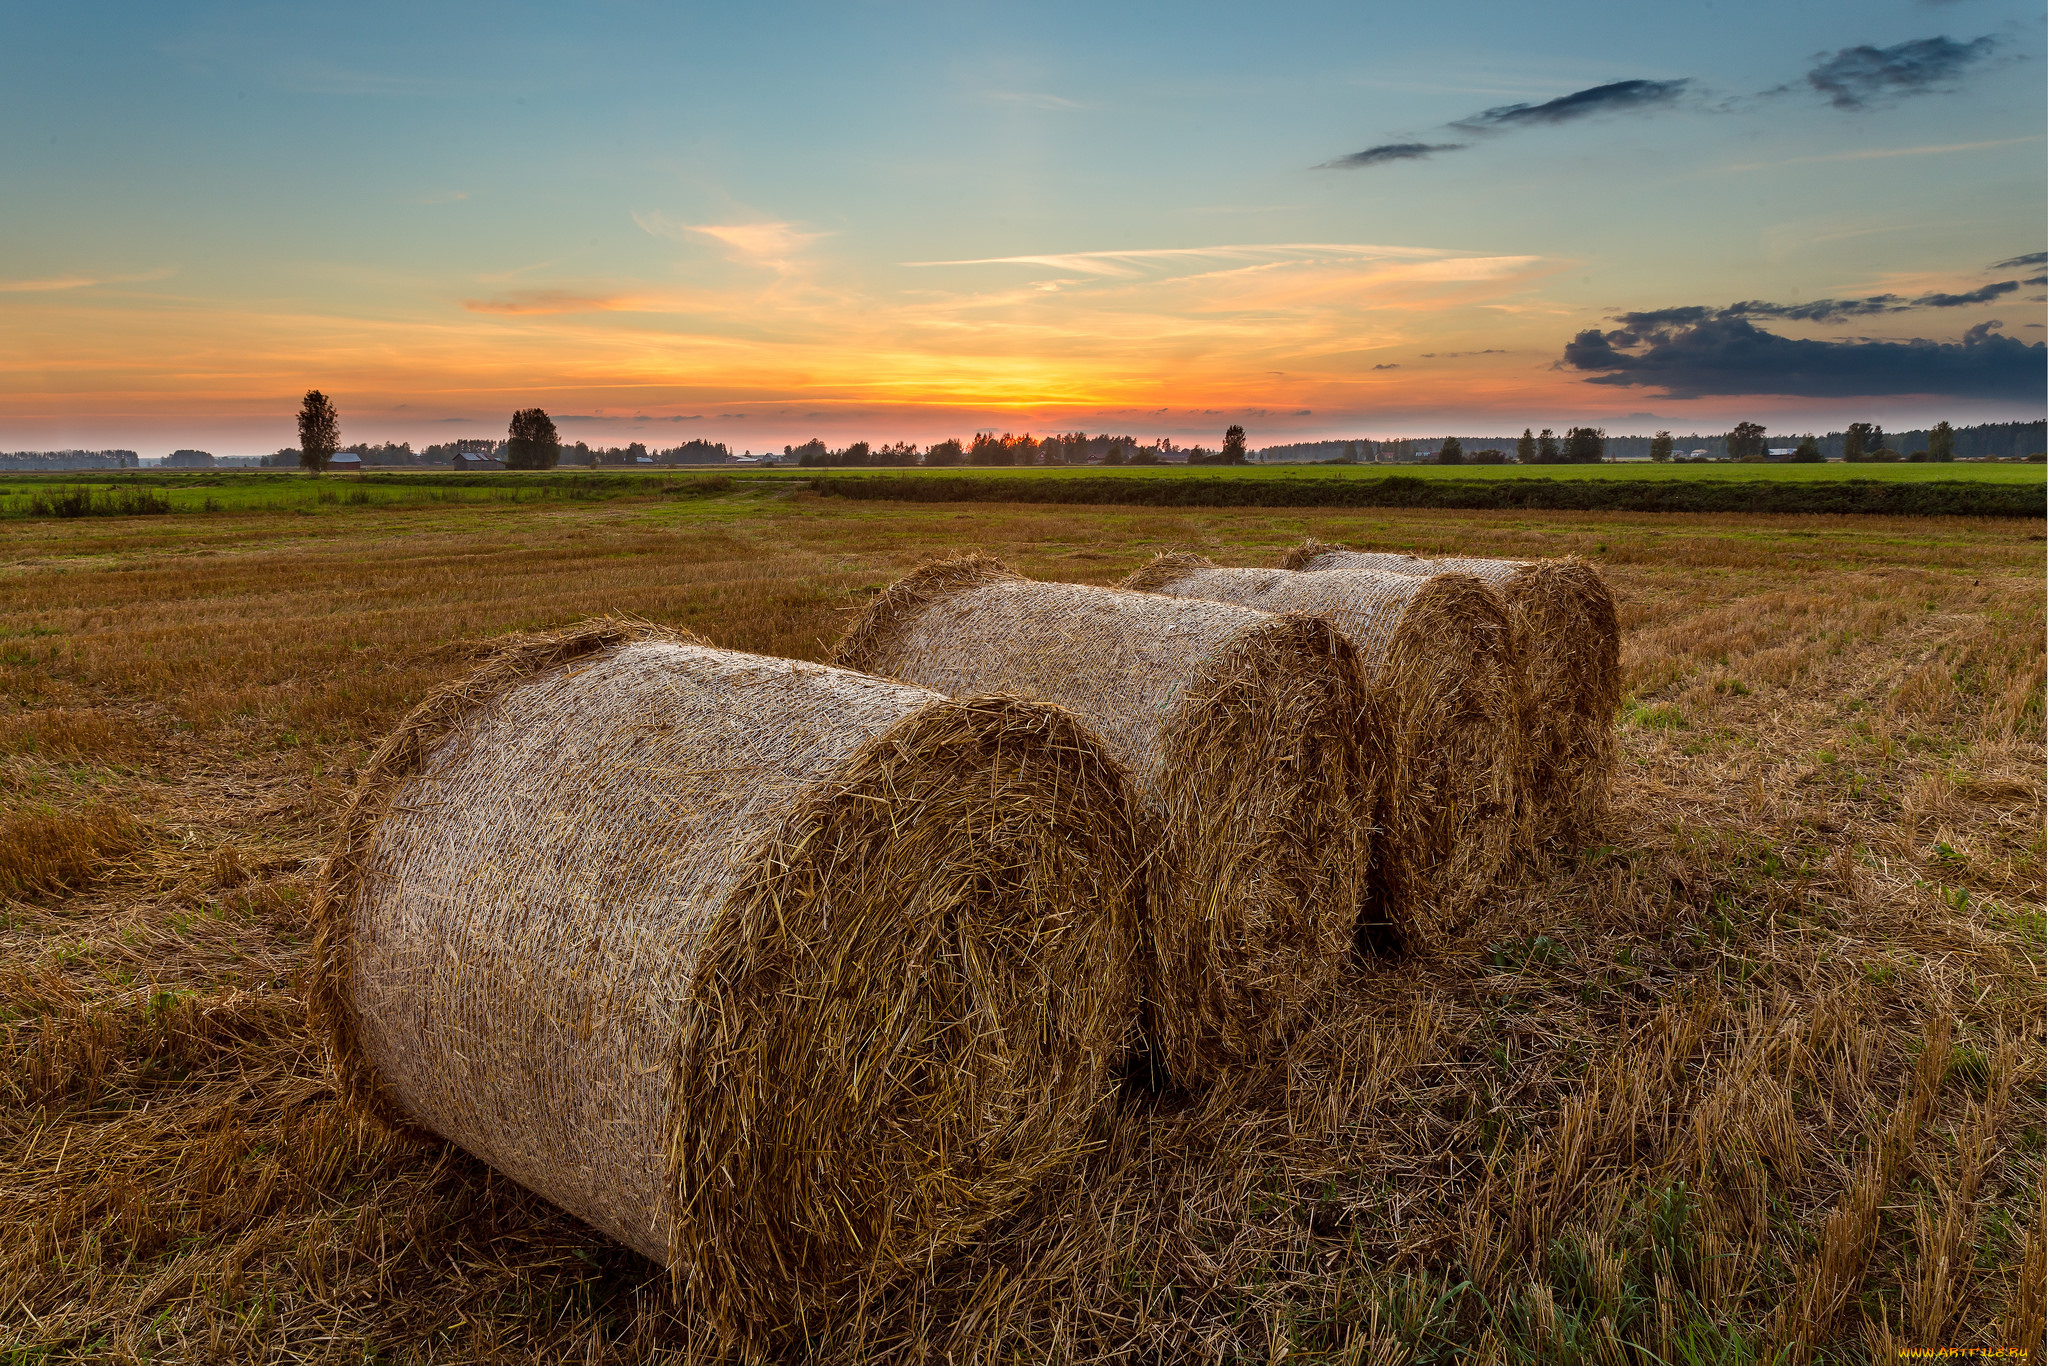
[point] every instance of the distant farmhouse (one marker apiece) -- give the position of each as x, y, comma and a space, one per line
346, 462
69, 460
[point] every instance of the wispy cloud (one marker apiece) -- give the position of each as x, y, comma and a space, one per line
1855, 77
1391, 151
773, 244
1031, 99
51, 284
333, 80
1881, 153
1140, 261
522, 302
2032, 258
1613, 97
1580, 104
1651, 321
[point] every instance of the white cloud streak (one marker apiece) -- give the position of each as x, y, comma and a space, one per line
1133, 263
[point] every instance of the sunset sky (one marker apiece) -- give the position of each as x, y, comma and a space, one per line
760, 223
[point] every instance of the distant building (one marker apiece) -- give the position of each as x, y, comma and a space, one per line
347, 462
188, 460
476, 460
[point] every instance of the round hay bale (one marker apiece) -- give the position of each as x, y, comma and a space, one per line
788, 977
1439, 655
1248, 737
1571, 636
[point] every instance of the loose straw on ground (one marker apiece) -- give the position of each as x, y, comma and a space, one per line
1571, 640
788, 977
1439, 656
1247, 733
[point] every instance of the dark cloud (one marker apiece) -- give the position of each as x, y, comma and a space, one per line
2032, 258
1818, 310
1391, 151
1815, 311
1395, 366
1723, 355
1656, 319
2037, 279
1975, 296
1855, 76
1579, 104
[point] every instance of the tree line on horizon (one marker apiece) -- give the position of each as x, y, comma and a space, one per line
533, 443
1011, 448
1862, 442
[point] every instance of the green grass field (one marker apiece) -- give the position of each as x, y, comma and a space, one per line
262, 491
1719, 473
289, 491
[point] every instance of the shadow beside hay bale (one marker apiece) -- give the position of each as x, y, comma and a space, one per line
785, 976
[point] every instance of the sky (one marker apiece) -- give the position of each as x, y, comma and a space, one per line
762, 223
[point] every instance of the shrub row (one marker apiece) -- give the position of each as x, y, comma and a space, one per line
1957, 498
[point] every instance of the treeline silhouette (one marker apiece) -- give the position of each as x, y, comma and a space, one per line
1988, 440
401, 455
1008, 448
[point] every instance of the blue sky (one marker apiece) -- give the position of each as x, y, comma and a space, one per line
756, 223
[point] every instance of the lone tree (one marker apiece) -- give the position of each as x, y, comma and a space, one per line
1660, 447
1808, 453
1233, 445
1746, 442
534, 443
1941, 442
1452, 452
1525, 448
1585, 446
1862, 441
1546, 448
319, 432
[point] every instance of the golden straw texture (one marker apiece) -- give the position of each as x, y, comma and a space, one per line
1247, 734
1439, 655
786, 976
1571, 640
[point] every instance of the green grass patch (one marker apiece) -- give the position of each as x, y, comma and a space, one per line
1634, 471
1271, 488
135, 492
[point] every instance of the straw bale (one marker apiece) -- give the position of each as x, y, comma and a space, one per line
1571, 636
1247, 734
788, 977
1439, 656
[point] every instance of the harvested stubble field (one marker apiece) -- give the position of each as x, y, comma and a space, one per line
1758, 1077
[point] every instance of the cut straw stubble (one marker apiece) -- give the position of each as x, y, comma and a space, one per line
1248, 736
788, 977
